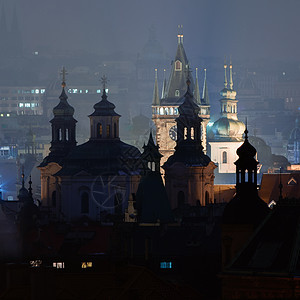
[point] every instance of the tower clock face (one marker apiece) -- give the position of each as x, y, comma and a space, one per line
173, 133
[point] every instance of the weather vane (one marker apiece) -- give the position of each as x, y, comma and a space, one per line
104, 81
63, 73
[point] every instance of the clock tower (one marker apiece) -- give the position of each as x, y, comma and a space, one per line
165, 109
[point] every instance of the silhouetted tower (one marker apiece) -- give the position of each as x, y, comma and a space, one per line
189, 166
246, 166
151, 156
104, 121
63, 126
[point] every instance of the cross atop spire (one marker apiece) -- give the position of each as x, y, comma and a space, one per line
63, 73
246, 131
104, 81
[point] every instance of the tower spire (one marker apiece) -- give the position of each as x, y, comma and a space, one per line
155, 91
163, 92
180, 34
225, 75
230, 76
196, 90
205, 96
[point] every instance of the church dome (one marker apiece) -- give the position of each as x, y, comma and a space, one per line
63, 108
226, 128
104, 107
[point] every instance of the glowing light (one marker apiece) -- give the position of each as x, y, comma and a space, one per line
210, 124
86, 264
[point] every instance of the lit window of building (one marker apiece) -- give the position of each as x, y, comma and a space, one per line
58, 265
35, 263
86, 264
166, 265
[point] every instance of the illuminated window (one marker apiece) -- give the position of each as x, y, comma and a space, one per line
185, 133
99, 130
42, 91
192, 133
37, 91
166, 265
35, 263
58, 265
27, 104
8, 115
98, 91
177, 93
86, 264
107, 130
86, 91
59, 134
75, 91
178, 65
21, 104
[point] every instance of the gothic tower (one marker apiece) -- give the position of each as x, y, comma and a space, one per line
165, 109
189, 173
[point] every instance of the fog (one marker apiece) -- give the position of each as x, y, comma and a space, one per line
258, 29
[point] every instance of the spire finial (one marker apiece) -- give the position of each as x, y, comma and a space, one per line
30, 188
197, 73
246, 131
180, 34
230, 74
63, 73
104, 81
205, 74
225, 73
155, 73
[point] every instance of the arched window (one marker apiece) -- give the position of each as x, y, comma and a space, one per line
59, 134
85, 206
53, 198
185, 133
177, 93
108, 131
224, 157
99, 130
180, 198
206, 198
178, 65
115, 130
192, 133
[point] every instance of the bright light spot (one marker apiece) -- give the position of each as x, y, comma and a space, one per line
85, 265
59, 265
210, 124
35, 263
166, 265
283, 73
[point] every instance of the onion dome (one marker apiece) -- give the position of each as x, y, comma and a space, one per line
63, 109
104, 107
246, 150
226, 128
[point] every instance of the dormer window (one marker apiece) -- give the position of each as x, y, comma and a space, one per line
177, 93
178, 65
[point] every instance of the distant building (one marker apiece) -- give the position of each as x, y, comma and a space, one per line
92, 180
189, 173
165, 108
293, 147
225, 134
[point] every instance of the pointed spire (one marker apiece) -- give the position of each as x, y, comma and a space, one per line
30, 188
163, 92
225, 75
150, 141
180, 34
155, 91
205, 96
230, 77
246, 131
196, 90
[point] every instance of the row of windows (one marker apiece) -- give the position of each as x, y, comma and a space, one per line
27, 91
84, 91
21, 98
165, 110
27, 104
108, 133
229, 109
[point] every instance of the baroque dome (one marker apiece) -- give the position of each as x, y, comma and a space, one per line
225, 128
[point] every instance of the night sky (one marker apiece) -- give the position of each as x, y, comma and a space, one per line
244, 29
